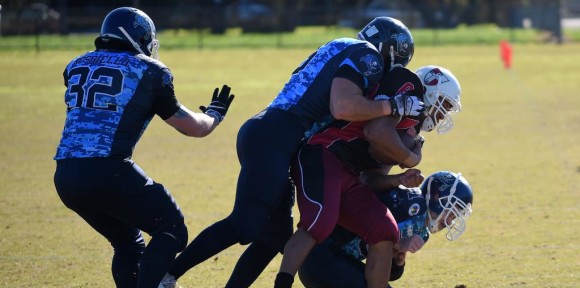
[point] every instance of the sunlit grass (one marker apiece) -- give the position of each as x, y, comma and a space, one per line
515, 141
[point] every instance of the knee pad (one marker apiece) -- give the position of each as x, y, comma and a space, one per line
178, 232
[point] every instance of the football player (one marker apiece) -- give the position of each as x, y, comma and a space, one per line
329, 84
112, 94
443, 202
326, 172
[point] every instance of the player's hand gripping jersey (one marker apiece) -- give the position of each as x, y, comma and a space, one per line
347, 140
103, 85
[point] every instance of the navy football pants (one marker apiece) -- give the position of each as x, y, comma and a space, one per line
262, 210
266, 145
118, 200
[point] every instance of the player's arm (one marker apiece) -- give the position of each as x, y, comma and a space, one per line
347, 101
411, 244
191, 123
380, 180
398, 264
386, 145
196, 124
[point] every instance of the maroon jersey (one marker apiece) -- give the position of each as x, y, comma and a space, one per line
346, 139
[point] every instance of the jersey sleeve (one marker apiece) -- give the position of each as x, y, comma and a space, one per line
367, 63
166, 103
348, 72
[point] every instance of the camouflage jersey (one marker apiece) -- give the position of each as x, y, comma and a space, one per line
409, 209
111, 97
307, 92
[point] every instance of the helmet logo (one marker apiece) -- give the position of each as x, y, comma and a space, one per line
432, 77
414, 209
141, 21
446, 181
372, 63
403, 45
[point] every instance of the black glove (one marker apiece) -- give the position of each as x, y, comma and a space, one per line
406, 105
220, 103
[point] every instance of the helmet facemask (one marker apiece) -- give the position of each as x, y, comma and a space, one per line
439, 103
154, 48
453, 215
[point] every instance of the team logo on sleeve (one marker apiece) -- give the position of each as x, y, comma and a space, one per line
433, 77
167, 80
372, 63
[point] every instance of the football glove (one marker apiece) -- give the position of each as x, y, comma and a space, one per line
220, 103
406, 105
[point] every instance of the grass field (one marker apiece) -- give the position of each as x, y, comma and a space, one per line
302, 37
516, 141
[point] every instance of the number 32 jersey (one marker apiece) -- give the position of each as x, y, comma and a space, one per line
111, 97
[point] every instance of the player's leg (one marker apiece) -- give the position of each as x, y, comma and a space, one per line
81, 192
318, 177
364, 214
251, 264
325, 267
128, 245
378, 261
265, 146
140, 202
270, 242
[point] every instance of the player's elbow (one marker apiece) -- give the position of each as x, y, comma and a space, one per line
197, 133
340, 112
198, 127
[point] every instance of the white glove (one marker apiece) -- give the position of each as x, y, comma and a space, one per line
403, 105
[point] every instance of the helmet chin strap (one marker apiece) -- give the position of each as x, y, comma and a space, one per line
135, 45
392, 55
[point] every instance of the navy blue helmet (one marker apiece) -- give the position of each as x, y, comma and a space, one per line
132, 26
392, 38
449, 197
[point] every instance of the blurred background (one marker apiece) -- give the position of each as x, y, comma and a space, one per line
215, 17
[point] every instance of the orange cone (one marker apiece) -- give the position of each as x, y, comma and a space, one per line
506, 53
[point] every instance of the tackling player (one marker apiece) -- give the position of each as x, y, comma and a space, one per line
328, 85
112, 94
326, 172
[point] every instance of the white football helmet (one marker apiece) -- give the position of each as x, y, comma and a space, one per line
442, 98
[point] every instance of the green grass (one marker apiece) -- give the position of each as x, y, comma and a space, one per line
302, 37
516, 142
